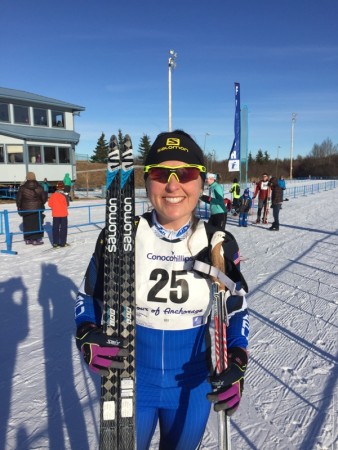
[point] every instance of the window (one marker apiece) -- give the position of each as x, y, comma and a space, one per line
21, 114
50, 155
40, 117
15, 153
34, 154
4, 116
58, 119
2, 154
64, 155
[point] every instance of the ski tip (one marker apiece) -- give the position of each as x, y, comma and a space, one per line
127, 140
113, 141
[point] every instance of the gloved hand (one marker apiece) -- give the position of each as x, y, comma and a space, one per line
100, 351
205, 198
228, 385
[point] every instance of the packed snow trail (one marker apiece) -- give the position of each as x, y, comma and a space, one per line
49, 400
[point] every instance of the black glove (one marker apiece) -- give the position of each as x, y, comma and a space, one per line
100, 352
205, 198
228, 385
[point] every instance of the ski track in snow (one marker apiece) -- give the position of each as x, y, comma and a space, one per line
49, 400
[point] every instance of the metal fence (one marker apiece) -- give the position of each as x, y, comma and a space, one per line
10, 221
93, 214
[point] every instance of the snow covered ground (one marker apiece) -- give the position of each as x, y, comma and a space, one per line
50, 401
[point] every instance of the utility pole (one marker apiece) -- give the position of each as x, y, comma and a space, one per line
171, 67
277, 161
293, 120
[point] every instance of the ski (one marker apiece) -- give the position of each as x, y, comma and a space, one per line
117, 405
266, 212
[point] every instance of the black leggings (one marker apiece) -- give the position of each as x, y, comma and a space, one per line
218, 220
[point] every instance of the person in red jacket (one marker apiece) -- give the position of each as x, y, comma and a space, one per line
59, 203
263, 191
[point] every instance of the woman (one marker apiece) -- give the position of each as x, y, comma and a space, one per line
173, 359
30, 201
218, 210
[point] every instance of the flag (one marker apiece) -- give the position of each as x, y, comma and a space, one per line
235, 152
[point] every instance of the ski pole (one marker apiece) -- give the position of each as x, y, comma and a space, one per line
221, 353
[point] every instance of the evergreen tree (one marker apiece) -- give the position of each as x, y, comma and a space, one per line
101, 151
266, 156
144, 147
250, 158
120, 138
259, 157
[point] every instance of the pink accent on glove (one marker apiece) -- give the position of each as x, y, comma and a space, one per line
231, 396
101, 357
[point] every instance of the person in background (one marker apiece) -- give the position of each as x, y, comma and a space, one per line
244, 208
59, 203
263, 191
30, 201
67, 181
282, 184
45, 186
173, 356
236, 193
276, 202
218, 210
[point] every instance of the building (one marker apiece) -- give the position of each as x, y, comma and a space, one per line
36, 135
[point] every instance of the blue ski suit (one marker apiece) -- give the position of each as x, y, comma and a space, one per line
173, 344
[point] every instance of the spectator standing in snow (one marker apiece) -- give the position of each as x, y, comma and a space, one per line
236, 193
282, 184
244, 208
30, 201
45, 187
173, 352
67, 181
276, 202
263, 191
218, 210
59, 203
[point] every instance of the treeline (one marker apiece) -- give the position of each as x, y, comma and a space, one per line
322, 161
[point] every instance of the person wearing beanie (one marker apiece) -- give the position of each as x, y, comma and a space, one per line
218, 209
276, 202
235, 191
59, 202
244, 208
30, 201
264, 193
173, 304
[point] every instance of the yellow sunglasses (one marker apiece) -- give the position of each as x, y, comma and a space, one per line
183, 174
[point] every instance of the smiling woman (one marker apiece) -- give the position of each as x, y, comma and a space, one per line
173, 303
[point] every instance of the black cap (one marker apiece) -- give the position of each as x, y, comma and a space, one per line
175, 146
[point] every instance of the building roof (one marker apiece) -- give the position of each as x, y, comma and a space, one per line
14, 95
39, 134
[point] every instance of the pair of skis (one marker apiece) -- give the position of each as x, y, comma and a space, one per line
117, 405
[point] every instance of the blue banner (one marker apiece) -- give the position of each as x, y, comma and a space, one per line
235, 153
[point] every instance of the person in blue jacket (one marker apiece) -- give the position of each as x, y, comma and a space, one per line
173, 305
282, 185
244, 206
218, 210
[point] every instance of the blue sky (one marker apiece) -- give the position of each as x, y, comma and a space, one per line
112, 58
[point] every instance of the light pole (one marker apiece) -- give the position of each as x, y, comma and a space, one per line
205, 140
293, 120
277, 161
213, 158
171, 67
